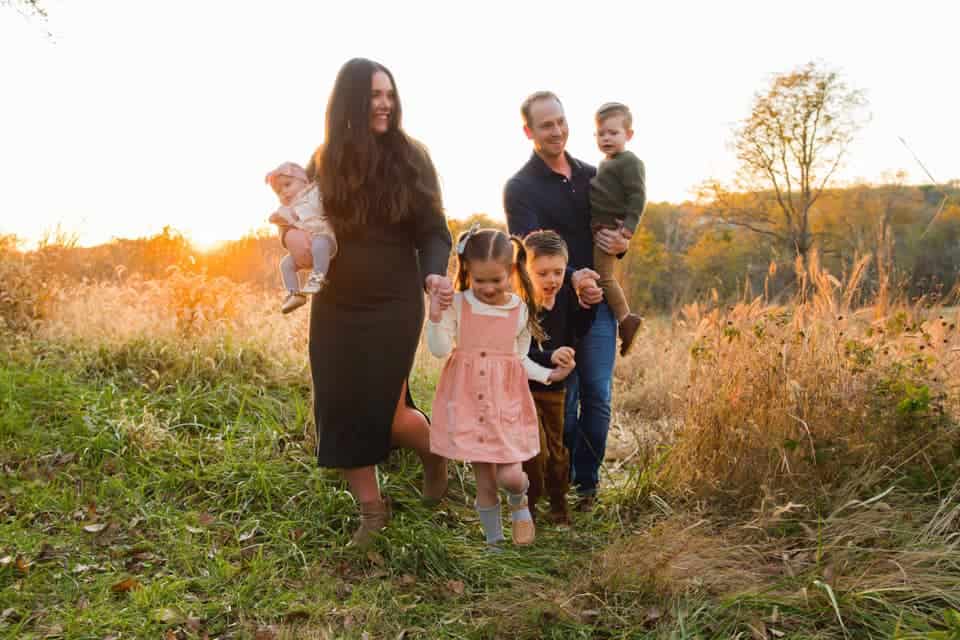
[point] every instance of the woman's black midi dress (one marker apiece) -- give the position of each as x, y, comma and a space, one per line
364, 330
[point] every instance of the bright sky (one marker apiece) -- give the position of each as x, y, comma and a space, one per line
139, 114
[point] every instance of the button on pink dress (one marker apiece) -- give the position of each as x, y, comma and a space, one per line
483, 410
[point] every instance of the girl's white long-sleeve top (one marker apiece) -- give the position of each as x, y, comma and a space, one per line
441, 336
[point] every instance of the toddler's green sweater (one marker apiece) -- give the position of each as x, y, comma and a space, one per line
618, 192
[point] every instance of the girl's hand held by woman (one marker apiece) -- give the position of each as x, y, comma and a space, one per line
440, 287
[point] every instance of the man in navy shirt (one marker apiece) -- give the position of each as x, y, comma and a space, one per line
552, 191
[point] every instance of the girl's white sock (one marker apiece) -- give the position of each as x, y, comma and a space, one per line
491, 522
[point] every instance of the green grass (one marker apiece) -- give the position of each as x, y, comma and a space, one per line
191, 473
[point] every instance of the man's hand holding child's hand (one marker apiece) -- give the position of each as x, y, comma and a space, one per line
564, 357
584, 282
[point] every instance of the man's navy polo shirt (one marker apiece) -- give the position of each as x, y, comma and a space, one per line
537, 197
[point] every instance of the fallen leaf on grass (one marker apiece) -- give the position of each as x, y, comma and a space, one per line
66, 458
456, 586
83, 568
376, 558
22, 565
167, 615
95, 528
130, 584
296, 615
206, 519
758, 629
407, 580
829, 574
47, 553
265, 633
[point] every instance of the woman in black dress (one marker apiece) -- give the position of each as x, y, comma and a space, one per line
382, 194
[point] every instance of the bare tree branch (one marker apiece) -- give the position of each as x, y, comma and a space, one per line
791, 146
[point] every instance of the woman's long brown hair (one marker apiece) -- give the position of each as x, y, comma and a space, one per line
493, 244
365, 177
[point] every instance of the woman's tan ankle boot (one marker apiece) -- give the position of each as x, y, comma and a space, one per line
373, 517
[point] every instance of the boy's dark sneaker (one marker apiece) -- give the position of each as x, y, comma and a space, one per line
629, 327
585, 503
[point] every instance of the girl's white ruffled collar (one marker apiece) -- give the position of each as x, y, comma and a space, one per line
479, 305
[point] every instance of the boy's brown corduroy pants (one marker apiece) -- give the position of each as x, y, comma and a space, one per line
549, 471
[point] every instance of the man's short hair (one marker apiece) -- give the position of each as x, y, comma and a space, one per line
534, 97
610, 109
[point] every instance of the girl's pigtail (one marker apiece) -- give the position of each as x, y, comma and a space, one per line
463, 279
525, 287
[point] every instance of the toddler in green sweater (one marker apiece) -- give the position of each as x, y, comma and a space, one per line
617, 199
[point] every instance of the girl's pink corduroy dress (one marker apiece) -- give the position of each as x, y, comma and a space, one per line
483, 410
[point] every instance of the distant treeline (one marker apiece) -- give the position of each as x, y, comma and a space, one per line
681, 252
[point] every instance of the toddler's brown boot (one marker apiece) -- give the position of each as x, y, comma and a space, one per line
628, 332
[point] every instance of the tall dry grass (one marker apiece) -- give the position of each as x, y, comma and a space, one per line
798, 398
184, 325
749, 400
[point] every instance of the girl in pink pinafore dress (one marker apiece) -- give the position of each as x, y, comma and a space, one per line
483, 412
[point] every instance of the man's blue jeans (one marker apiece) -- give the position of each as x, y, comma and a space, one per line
589, 390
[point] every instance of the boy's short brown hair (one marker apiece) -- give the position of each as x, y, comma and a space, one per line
610, 109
